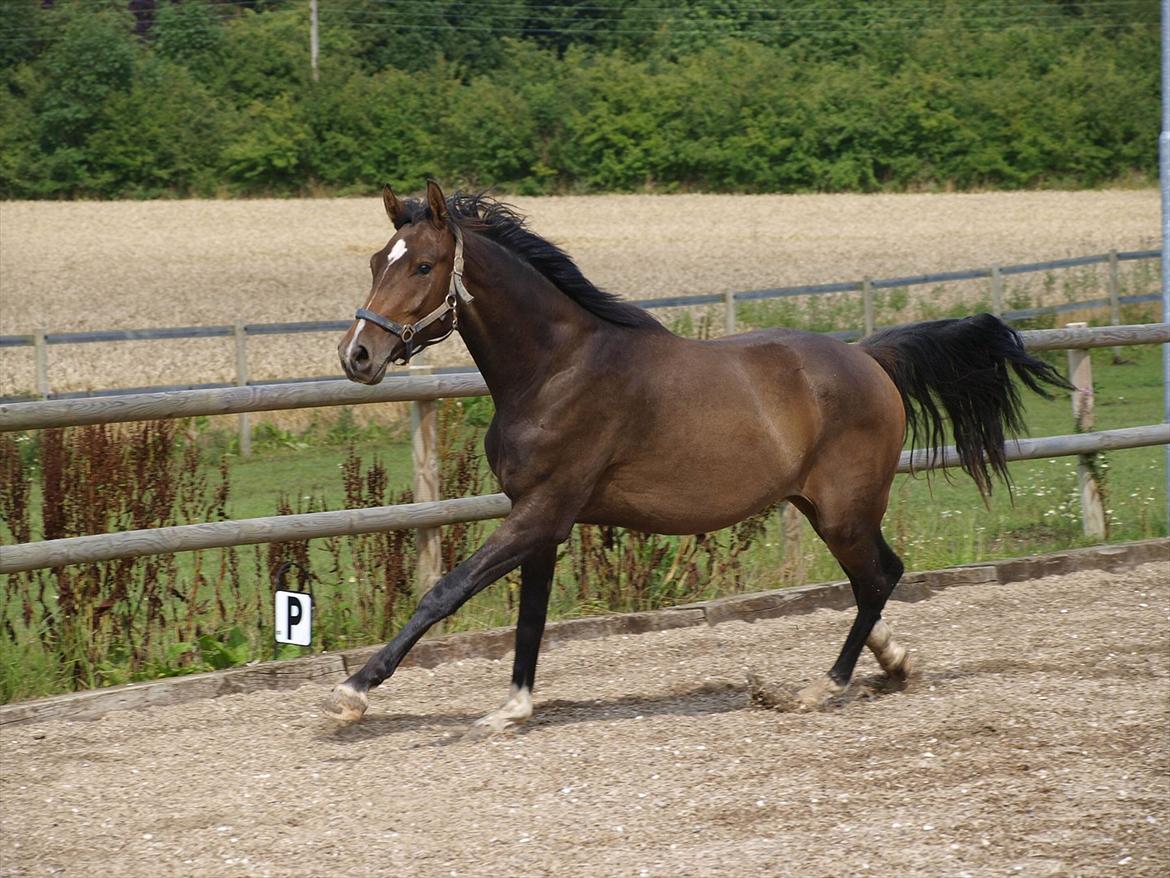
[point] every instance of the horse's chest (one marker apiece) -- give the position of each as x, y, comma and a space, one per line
509, 454
525, 453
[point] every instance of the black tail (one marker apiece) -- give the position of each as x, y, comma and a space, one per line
961, 366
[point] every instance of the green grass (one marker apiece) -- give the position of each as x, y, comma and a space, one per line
932, 523
300, 473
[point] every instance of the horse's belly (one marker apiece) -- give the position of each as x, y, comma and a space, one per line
686, 500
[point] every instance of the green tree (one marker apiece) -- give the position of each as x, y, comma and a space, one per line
92, 60
162, 137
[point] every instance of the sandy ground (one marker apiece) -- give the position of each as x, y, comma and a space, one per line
85, 266
1034, 742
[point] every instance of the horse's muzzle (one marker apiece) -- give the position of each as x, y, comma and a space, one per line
359, 366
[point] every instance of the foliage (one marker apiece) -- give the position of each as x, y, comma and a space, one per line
204, 97
106, 621
197, 611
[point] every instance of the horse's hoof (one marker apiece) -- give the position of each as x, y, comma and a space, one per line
903, 669
815, 695
514, 712
346, 704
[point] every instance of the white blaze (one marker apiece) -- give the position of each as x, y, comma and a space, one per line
396, 253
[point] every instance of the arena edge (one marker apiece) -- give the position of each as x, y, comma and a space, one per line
496, 643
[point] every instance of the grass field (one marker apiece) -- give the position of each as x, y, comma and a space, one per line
931, 523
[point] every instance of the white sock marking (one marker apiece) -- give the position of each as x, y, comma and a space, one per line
514, 711
889, 653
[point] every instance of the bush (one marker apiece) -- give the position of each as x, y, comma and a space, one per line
207, 96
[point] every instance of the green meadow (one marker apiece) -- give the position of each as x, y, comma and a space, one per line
213, 609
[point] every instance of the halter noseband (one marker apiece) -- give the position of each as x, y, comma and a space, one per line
456, 293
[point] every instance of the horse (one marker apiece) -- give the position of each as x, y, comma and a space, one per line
603, 416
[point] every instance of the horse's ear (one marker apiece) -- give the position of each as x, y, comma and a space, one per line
437, 203
394, 208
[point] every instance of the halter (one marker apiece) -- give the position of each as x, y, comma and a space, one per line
456, 293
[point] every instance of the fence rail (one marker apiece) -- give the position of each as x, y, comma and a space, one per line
397, 388
40, 341
426, 516
347, 522
225, 331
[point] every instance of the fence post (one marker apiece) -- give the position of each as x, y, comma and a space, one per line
424, 444
1080, 375
791, 536
242, 381
1114, 285
41, 358
729, 313
996, 291
867, 303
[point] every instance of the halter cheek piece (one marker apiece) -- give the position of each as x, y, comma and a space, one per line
456, 293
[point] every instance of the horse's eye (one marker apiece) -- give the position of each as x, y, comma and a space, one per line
425, 268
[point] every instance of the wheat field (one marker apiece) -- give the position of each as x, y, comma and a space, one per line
128, 265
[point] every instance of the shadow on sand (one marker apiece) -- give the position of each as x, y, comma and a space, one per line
709, 698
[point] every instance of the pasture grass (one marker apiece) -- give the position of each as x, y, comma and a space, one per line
932, 522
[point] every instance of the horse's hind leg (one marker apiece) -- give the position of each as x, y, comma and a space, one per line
892, 656
535, 584
873, 570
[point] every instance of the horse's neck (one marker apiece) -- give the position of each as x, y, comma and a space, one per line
519, 328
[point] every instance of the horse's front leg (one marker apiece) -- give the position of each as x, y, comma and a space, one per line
527, 530
536, 575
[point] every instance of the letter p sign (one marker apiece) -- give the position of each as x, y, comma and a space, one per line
294, 618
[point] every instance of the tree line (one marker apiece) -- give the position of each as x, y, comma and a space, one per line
155, 98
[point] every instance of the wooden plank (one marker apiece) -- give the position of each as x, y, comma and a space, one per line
273, 529
396, 388
104, 547
496, 642
867, 305
41, 364
233, 400
1047, 446
1114, 283
1095, 337
245, 424
424, 442
1113, 558
1080, 375
996, 291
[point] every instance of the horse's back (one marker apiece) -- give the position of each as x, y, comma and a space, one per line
836, 381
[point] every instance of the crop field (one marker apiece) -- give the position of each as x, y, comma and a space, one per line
120, 265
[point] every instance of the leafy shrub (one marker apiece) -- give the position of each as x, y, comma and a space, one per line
201, 97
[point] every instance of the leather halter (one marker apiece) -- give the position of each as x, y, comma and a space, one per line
456, 293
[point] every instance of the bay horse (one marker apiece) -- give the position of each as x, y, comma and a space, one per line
603, 416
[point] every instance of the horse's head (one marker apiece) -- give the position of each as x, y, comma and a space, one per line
417, 285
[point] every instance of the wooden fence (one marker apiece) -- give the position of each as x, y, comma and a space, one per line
40, 341
396, 388
429, 513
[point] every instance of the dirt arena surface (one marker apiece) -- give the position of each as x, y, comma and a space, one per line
70, 266
1035, 741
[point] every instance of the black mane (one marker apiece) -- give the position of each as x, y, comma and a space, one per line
501, 223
